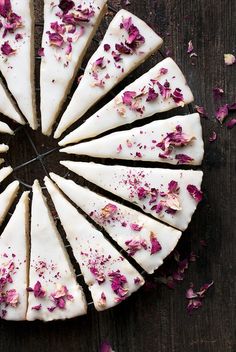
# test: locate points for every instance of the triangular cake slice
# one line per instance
(53, 290)
(4, 128)
(69, 27)
(127, 43)
(2, 161)
(177, 140)
(5, 172)
(162, 88)
(110, 277)
(4, 148)
(168, 195)
(17, 54)
(146, 240)
(7, 106)
(14, 257)
(6, 199)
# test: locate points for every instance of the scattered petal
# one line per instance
(213, 137)
(229, 59)
(221, 113)
(195, 192)
(217, 92)
(201, 110)
(230, 124)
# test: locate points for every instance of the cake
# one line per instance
(6, 199)
(17, 54)
(8, 107)
(161, 89)
(53, 290)
(110, 277)
(14, 257)
(4, 148)
(177, 140)
(4, 128)
(5, 172)
(68, 31)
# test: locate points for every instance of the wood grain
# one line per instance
(157, 320)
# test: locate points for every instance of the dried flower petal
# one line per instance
(7, 50)
(201, 110)
(109, 210)
(156, 247)
(217, 92)
(229, 59)
(152, 95)
(221, 113)
(195, 192)
(213, 137)
(230, 124)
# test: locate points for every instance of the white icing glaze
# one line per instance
(5, 172)
(115, 113)
(14, 248)
(4, 148)
(119, 224)
(95, 255)
(7, 106)
(18, 69)
(57, 75)
(141, 143)
(6, 199)
(4, 128)
(113, 72)
(50, 265)
(126, 182)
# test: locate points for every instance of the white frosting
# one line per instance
(115, 113)
(4, 148)
(18, 69)
(57, 70)
(141, 143)
(95, 255)
(14, 258)
(88, 93)
(7, 106)
(5, 172)
(4, 128)
(50, 265)
(126, 182)
(2, 161)
(119, 225)
(6, 199)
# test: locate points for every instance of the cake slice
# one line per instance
(68, 30)
(177, 140)
(4, 148)
(5, 172)
(6, 199)
(4, 128)
(7, 106)
(17, 54)
(127, 43)
(169, 195)
(53, 290)
(14, 257)
(161, 89)
(110, 277)
(146, 240)
(2, 161)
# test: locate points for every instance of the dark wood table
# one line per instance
(156, 319)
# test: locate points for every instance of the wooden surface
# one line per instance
(156, 319)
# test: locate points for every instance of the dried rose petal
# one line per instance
(190, 47)
(183, 158)
(178, 97)
(213, 137)
(109, 210)
(173, 186)
(122, 49)
(135, 227)
(195, 192)
(217, 92)
(152, 95)
(38, 307)
(118, 283)
(156, 247)
(55, 39)
(119, 148)
(221, 113)
(107, 47)
(38, 290)
(231, 123)
(7, 50)
(142, 193)
(229, 59)
(201, 110)
(66, 5)
(105, 347)
(41, 52)
(5, 8)
(128, 97)
(12, 298)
